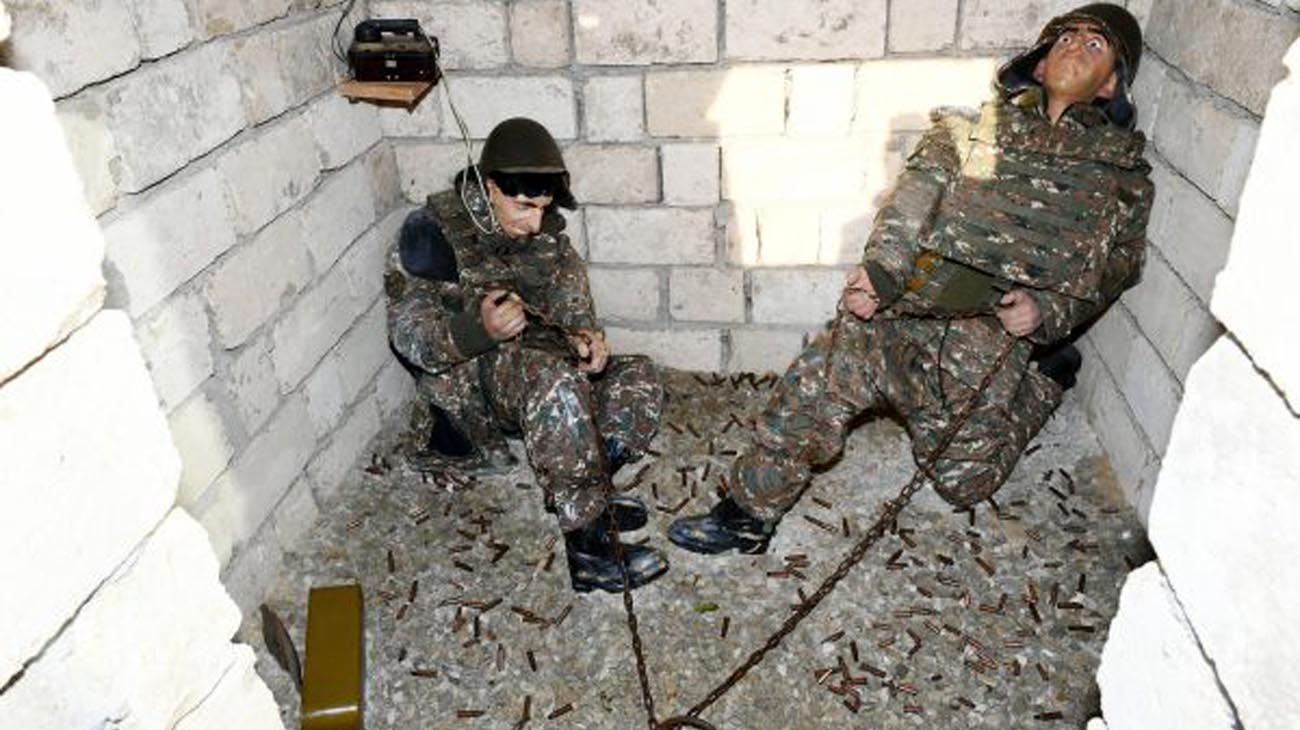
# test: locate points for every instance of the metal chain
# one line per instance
(888, 514)
(638, 650)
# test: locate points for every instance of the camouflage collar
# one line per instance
(1079, 115)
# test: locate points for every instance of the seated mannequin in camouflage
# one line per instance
(1006, 231)
(489, 306)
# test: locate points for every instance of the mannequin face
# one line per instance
(1080, 67)
(519, 216)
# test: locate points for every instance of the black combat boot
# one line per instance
(726, 527)
(1060, 363)
(593, 559)
(629, 512)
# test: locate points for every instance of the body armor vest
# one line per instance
(1028, 204)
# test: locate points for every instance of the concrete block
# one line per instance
(50, 265)
(151, 671)
(1151, 391)
(394, 391)
(234, 508)
(682, 349)
(252, 385)
(486, 101)
(306, 62)
(821, 99)
(745, 100)
(613, 108)
(818, 170)
(1152, 673)
(844, 232)
(575, 227)
(1134, 463)
(220, 17)
(241, 699)
(350, 367)
(805, 29)
(922, 25)
(761, 351)
(426, 168)
(1148, 92)
(691, 173)
(342, 129)
(1170, 314)
(328, 471)
(85, 448)
(707, 295)
(1243, 72)
(251, 284)
(253, 569)
(742, 234)
(6, 23)
(424, 120)
(320, 317)
(175, 343)
(471, 33)
(613, 173)
(1209, 143)
(161, 241)
(650, 235)
(613, 32)
(204, 441)
(787, 236)
(269, 171)
(340, 210)
(295, 515)
(539, 33)
(85, 129)
(162, 25)
(169, 113)
(1255, 291)
(262, 81)
(1223, 522)
(1003, 24)
(1192, 232)
(70, 45)
(385, 182)
(795, 296)
(898, 94)
(1114, 336)
(625, 294)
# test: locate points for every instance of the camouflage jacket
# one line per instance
(442, 265)
(1003, 200)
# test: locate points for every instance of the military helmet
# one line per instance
(523, 146)
(1121, 30)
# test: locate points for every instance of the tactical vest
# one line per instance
(1028, 204)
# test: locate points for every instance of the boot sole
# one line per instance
(755, 547)
(586, 586)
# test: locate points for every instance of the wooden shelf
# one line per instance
(386, 93)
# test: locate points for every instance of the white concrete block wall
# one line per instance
(245, 208)
(1223, 511)
(1202, 125)
(89, 535)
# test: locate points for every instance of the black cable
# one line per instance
(336, 46)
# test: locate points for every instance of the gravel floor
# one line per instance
(994, 620)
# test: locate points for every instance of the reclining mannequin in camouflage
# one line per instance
(1006, 231)
(489, 306)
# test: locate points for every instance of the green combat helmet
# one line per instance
(522, 146)
(1125, 36)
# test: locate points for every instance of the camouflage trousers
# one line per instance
(566, 417)
(897, 365)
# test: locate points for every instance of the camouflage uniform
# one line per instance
(986, 203)
(530, 385)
